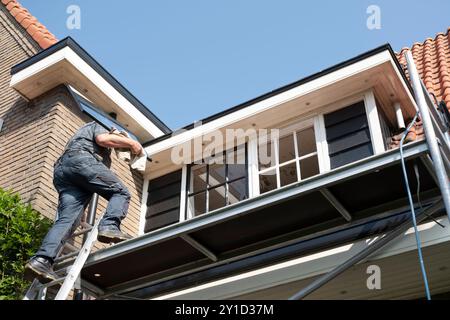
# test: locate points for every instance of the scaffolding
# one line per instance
(437, 136)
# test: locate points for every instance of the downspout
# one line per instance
(430, 135)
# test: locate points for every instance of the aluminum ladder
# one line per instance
(71, 273)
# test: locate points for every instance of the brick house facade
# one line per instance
(35, 132)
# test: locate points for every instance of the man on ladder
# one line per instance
(81, 171)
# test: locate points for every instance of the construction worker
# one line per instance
(83, 169)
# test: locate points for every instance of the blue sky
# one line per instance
(186, 60)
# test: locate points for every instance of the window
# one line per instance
(218, 182)
(294, 157)
(100, 116)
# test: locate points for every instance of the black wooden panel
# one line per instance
(162, 220)
(163, 193)
(345, 114)
(351, 155)
(165, 205)
(348, 135)
(349, 141)
(343, 128)
(164, 180)
(163, 201)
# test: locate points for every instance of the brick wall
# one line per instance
(34, 134)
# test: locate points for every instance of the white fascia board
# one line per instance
(39, 66)
(271, 102)
(84, 68)
(310, 265)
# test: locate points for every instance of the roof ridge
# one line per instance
(32, 26)
(417, 44)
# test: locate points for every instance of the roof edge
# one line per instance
(289, 86)
(72, 44)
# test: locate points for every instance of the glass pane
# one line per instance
(287, 148)
(267, 181)
(197, 178)
(236, 163)
(306, 141)
(266, 154)
(288, 174)
(217, 171)
(237, 191)
(216, 198)
(104, 119)
(197, 203)
(309, 167)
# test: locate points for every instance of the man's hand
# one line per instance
(136, 148)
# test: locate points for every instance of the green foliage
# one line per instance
(21, 232)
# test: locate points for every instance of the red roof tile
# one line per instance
(34, 28)
(432, 58)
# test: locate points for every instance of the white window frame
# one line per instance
(185, 207)
(253, 172)
(142, 219)
(183, 194)
(295, 126)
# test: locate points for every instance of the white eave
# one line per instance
(66, 66)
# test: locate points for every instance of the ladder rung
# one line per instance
(52, 283)
(82, 231)
(85, 225)
(71, 247)
(67, 256)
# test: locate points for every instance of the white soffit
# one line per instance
(67, 55)
(271, 102)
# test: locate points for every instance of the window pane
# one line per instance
(104, 119)
(306, 141)
(266, 155)
(287, 148)
(217, 171)
(216, 198)
(288, 174)
(197, 203)
(267, 181)
(198, 178)
(309, 167)
(237, 191)
(236, 163)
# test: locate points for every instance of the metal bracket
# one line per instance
(199, 247)
(336, 203)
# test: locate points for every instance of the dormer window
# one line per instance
(294, 157)
(217, 182)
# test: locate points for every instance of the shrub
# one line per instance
(22, 230)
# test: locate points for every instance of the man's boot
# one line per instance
(40, 268)
(111, 234)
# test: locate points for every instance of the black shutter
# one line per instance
(163, 201)
(348, 135)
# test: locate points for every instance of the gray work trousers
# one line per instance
(77, 175)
